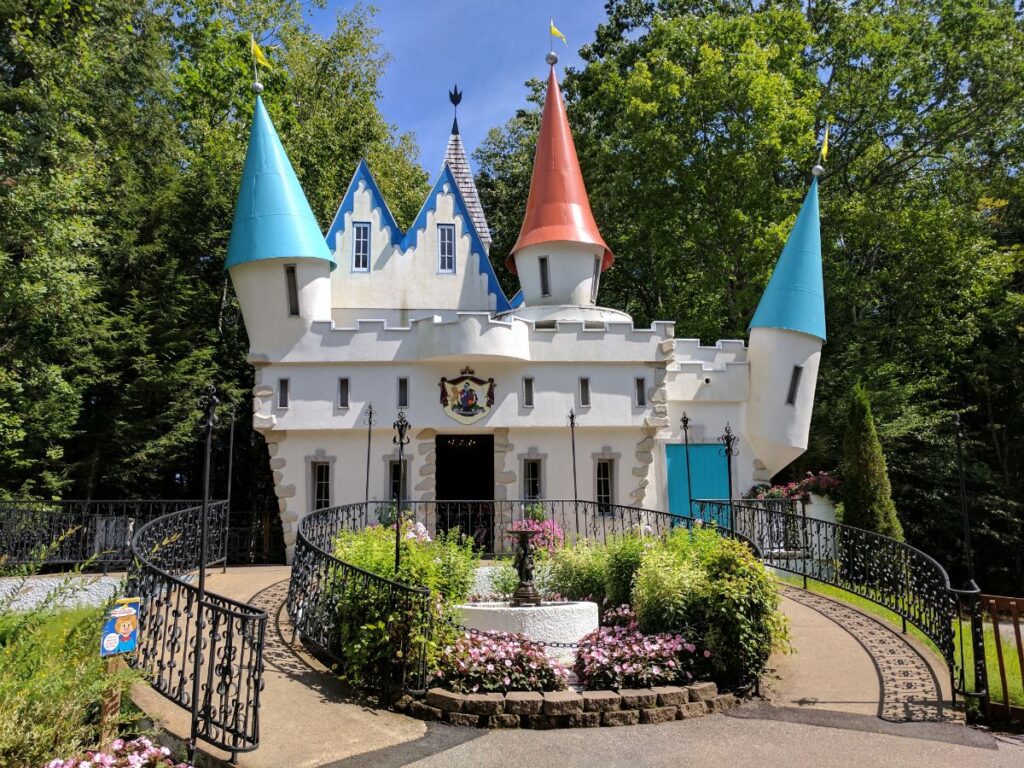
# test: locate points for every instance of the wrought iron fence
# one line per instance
(488, 521)
(881, 569)
(174, 625)
(76, 532)
(331, 603)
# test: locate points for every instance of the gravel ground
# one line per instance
(79, 591)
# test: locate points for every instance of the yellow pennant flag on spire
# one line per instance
(257, 54)
(824, 144)
(556, 33)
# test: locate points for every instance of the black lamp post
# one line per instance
(231, 471)
(401, 440)
(685, 421)
(575, 485)
(368, 420)
(959, 432)
(728, 440)
(208, 404)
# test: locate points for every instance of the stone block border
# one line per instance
(568, 709)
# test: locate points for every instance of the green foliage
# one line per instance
(52, 679)
(623, 560)
(506, 578)
(579, 572)
(706, 585)
(867, 495)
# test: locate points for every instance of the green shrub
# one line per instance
(624, 556)
(580, 572)
(703, 581)
(506, 578)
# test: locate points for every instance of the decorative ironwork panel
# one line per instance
(230, 634)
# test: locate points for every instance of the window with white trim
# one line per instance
(292, 287)
(640, 385)
(398, 481)
(528, 392)
(446, 248)
(321, 472)
(403, 392)
(584, 392)
(343, 392)
(605, 484)
(531, 479)
(282, 393)
(361, 247)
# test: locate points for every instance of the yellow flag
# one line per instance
(556, 33)
(257, 54)
(824, 144)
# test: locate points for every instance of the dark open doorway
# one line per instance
(465, 485)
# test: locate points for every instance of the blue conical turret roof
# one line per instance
(273, 219)
(795, 296)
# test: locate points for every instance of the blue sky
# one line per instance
(489, 47)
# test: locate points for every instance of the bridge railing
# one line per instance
(878, 568)
(74, 532)
(175, 626)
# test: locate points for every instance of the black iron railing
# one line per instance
(174, 625)
(77, 532)
(487, 521)
(878, 568)
(335, 606)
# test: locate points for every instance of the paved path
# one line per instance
(842, 699)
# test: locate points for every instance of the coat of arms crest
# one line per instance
(467, 398)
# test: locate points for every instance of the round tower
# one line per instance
(786, 336)
(277, 257)
(560, 254)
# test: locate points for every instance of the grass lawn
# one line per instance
(1013, 671)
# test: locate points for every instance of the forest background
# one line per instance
(123, 128)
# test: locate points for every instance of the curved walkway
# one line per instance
(825, 706)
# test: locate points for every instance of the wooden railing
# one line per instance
(1006, 614)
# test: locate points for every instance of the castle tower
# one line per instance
(786, 336)
(560, 254)
(278, 260)
(455, 157)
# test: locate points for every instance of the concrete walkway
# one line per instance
(855, 693)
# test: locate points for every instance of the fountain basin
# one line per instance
(547, 622)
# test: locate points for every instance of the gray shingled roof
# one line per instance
(455, 156)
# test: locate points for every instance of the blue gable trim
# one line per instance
(348, 202)
(406, 240)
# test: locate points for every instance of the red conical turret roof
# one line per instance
(558, 209)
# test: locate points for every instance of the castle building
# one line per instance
(416, 322)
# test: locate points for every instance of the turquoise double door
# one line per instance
(708, 473)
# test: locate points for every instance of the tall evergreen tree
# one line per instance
(867, 494)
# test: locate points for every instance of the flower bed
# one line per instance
(137, 753)
(493, 661)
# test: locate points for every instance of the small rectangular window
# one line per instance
(343, 393)
(292, 285)
(605, 484)
(321, 484)
(531, 479)
(584, 392)
(398, 481)
(282, 393)
(641, 391)
(360, 247)
(403, 392)
(528, 392)
(794, 384)
(446, 248)
(545, 278)
(596, 280)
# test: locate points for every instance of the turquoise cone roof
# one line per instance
(795, 296)
(273, 219)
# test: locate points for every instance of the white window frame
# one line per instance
(584, 392)
(529, 392)
(443, 267)
(357, 227)
(344, 387)
(532, 454)
(314, 469)
(284, 394)
(610, 464)
(403, 402)
(538, 464)
(319, 457)
(391, 461)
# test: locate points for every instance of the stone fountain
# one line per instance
(528, 614)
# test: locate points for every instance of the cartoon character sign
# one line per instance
(121, 630)
(467, 398)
